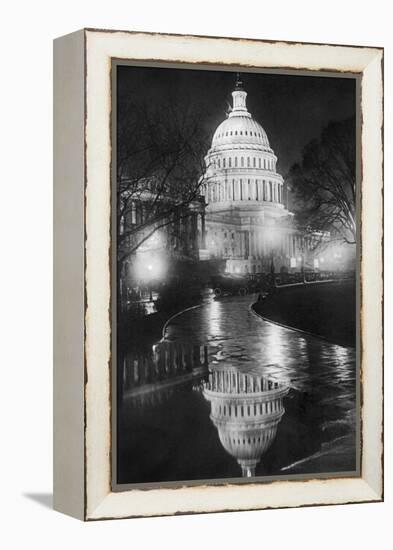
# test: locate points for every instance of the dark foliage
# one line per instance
(324, 183)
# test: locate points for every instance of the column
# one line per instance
(246, 244)
(203, 230)
(259, 245)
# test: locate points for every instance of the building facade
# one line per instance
(154, 241)
(248, 223)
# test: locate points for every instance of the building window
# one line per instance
(223, 163)
(256, 190)
(248, 161)
(218, 162)
(242, 161)
(259, 162)
(230, 162)
(241, 189)
(271, 191)
(235, 161)
(254, 160)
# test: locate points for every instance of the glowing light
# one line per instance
(149, 266)
(293, 262)
(316, 263)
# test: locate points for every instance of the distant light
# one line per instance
(149, 266)
(293, 262)
(316, 263)
(299, 258)
(322, 260)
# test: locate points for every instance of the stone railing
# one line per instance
(167, 363)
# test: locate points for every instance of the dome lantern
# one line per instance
(239, 100)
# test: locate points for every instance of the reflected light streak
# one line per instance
(275, 344)
(214, 318)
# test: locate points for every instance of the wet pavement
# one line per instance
(167, 434)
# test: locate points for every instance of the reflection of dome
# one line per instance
(246, 410)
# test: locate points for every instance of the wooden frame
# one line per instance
(82, 246)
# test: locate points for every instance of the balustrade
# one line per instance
(168, 360)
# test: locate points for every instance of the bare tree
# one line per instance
(160, 166)
(324, 182)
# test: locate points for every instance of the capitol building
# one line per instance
(248, 223)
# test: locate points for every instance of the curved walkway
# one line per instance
(237, 335)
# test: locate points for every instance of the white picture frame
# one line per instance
(82, 245)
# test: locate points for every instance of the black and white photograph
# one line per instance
(196, 295)
(236, 275)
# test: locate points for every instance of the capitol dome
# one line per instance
(240, 129)
(245, 195)
(241, 151)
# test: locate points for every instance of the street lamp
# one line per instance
(149, 263)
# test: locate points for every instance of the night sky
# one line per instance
(292, 109)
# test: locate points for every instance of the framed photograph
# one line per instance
(218, 274)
